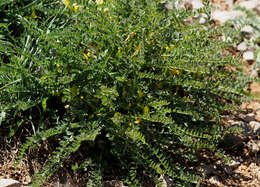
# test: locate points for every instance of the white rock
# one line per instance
(197, 4)
(168, 6)
(248, 55)
(230, 3)
(202, 21)
(249, 4)
(242, 46)
(222, 15)
(226, 39)
(247, 30)
(234, 163)
(9, 183)
(215, 180)
(249, 117)
(254, 145)
(255, 126)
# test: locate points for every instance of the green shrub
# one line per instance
(127, 79)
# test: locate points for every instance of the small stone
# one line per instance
(215, 180)
(232, 140)
(234, 164)
(202, 21)
(168, 6)
(249, 4)
(226, 39)
(242, 46)
(254, 73)
(222, 15)
(257, 115)
(248, 56)
(113, 183)
(257, 9)
(255, 126)
(247, 30)
(249, 117)
(253, 106)
(228, 169)
(207, 169)
(254, 146)
(197, 4)
(9, 183)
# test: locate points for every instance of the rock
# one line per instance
(9, 183)
(168, 6)
(226, 39)
(254, 146)
(249, 4)
(249, 117)
(242, 46)
(222, 15)
(257, 9)
(207, 169)
(196, 4)
(215, 180)
(248, 30)
(227, 169)
(257, 115)
(232, 140)
(234, 164)
(255, 126)
(254, 73)
(246, 130)
(252, 106)
(248, 56)
(113, 183)
(202, 20)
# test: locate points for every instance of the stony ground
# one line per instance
(243, 149)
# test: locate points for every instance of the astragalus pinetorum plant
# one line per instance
(134, 85)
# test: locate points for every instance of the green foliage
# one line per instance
(132, 82)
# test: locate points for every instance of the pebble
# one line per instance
(247, 30)
(234, 164)
(9, 183)
(254, 145)
(249, 117)
(248, 55)
(226, 39)
(257, 115)
(222, 15)
(113, 183)
(255, 126)
(249, 4)
(215, 180)
(242, 46)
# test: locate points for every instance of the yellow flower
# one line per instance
(140, 93)
(117, 114)
(76, 7)
(137, 120)
(87, 55)
(137, 49)
(34, 13)
(81, 97)
(99, 2)
(66, 2)
(146, 109)
(106, 10)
